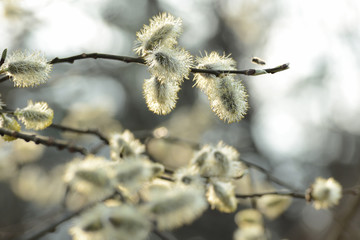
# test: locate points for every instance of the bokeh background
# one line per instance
(302, 123)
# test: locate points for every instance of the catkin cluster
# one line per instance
(169, 65)
(217, 165)
(36, 116)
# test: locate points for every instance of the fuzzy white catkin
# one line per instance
(177, 207)
(221, 196)
(35, 116)
(228, 99)
(27, 69)
(164, 29)
(169, 64)
(9, 123)
(227, 95)
(221, 161)
(325, 193)
(272, 206)
(160, 96)
(89, 177)
(212, 61)
(132, 174)
(123, 145)
(111, 222)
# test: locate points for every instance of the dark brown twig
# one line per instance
(268, 175)
(47, 141)
(290, 194)
(140, 60)
(67, 216)
(98, 56)
(82, 131)
(248, 72)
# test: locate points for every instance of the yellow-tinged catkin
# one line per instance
(169, 64)
(43, 188)
(9, 123)
(255, 232)
(221, 161)
(212, 61)
(228, 99)
(227, 95)
(248, 217)
(132, 174)
(164, 29)
(36, 115)
(189, 176)
(90, 177)
(123, 145)
(111, 222)
(325, 193)
(273, 206)
(160, 96)
(250, 223)
(27, 69)
(221, 196)
(176, 207)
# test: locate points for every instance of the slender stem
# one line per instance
(169, 139)
(140, 60)
(290, 194)
(83, 131)
(47, 141)
(64, 218)
(268, 175)
(249, 72)
(96, 56)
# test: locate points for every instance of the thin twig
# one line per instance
(83, 131)
(47, 141)
(149, 135)
(140, 60)
(98, 56)
(51, 227)
(290, 194)
(248, 72)
(268, 175)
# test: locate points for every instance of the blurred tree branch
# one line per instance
(47, 141)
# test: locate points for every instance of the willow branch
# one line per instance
(67, 216)
(248, 72)
(98, 56)
(82, 131)
(140, 60)
(268, 175)
(149, 134)
(47, 141)
(254, 195)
